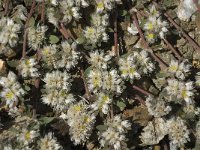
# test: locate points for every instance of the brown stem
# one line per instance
(30, 13)
(147, 93)
(140, 100)
(145, 44)
(116, 37)
(173, 49)
(24, 44)
(6, 2)
(189, 39)
(43, 11)
(64, 31)
(25, 28)
(85, 84)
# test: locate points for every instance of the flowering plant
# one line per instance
(99, 74)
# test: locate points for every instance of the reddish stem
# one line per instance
(6, 6)
(64, 31)
(140, 100)
(145, 44)
(25, 27)
(173, 49)
(43, 11)
(147, 93)
(116, 37)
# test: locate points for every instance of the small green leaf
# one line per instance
(46, 120)
(101, 127)
(13, 63)
(121, 105)
(53, 39)
(27, 88)
(81, 40)
(87, 71)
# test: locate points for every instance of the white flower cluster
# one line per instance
(175, 128)
(11, 93)
(180, 70)
(57, 90)
(178, 132)
(97, 33)
(28, 68)
(49, 142)
(114, 135)
(105, 81)
(180, 90)
(99, 60)
(69, 55)
(157, 107)
(9, 32)
(65, 57)
(154, 26)
(154, 132)
(81, 122)
(135, 65)
(26, 137)
(50, 56)
(65, 11)
(36, 36)
(102, 102)
(106, 5)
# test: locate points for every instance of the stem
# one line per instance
(24, 44)
(145, 44)
(173, 49)
(6, 6)
(147, 93)
(116, 36)
(140, 100)
(25, 28)
(30, 13)
(43, 11)
(64, 31)
(85, 84)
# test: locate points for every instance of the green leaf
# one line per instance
(87, 71)
(162, 75)
(13, 63)
(46, 120)
(27, 88)
(101, 127)
(53, 39)
(121, 105)
(81, 40)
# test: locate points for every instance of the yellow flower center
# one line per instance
(184, 93)
(28, 135)
(150, 26)
(9, 95)
(77, 108)
(173, 68)
(100, 5)
(150, 35)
